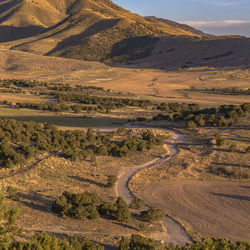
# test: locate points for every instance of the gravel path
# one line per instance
(174, 231)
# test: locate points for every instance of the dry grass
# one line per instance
(211, 208)
(152, 84)
(185, 185)
(42, 183)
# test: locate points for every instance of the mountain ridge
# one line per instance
(103, 31)
(84, 25)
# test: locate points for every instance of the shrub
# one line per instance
(222, 121)
(124, 244)
(142, 227)
(219, 140)
(247, 150)
(139, 242)
(13, 193)
(153, 214)
(8, 226)
(112, 179)
(108, 209)
(191, 125)
(49, 241)
(122, 212)
(78, 206)
(137, 204)
(232, 148)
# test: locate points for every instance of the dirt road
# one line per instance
(174, 231)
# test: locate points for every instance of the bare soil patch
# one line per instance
(214, 208)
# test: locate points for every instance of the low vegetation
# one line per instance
(90, 206)
(153, 214)
(223, 116)
(23, 140)
(223, 91)
(139, 242)
(50, 241)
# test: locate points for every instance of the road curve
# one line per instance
(174, 231)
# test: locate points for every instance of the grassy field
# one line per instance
(60, 120)
(158, 85)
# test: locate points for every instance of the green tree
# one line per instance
(137, 204)
(140, 243)
(153, 214)
(112, 179)
(122, 212)
(191, 125)
(124, 244)
(247, 150)
(232, 148)
(220, 141)
(8, 228)
(222, 121)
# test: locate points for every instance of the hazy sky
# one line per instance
(212, 16)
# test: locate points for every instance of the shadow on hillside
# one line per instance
(6, 6)
(44, 30)
(11, 33)
(125, 225)
(92, 30)
(36, 201)
(231, 196)
(71, 121)
(230, 164)
(227, 150)
(78, 178)
(173, 53)
(248, 187)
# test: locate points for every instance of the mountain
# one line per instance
(80, 29)
(177, 25)
(99, 30)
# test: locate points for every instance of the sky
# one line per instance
(219, 17)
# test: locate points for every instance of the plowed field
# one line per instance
(214, 208)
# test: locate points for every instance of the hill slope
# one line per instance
(99, 30)
(81, 29)
(177, 25)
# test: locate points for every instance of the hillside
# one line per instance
(102, 31)
(177, 25)
(184, 53)
(82, 29)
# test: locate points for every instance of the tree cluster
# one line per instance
(9, 230)
(224, 91)
(90, 206)
(62, 107)
(139, 242)
(50, 241)
(225, 115)
(153, 214)
(23, 140)
(98, 100)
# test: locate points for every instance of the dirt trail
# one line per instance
(174, 231)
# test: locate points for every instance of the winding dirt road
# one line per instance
(174, 231)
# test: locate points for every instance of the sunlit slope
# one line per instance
(81, 29)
